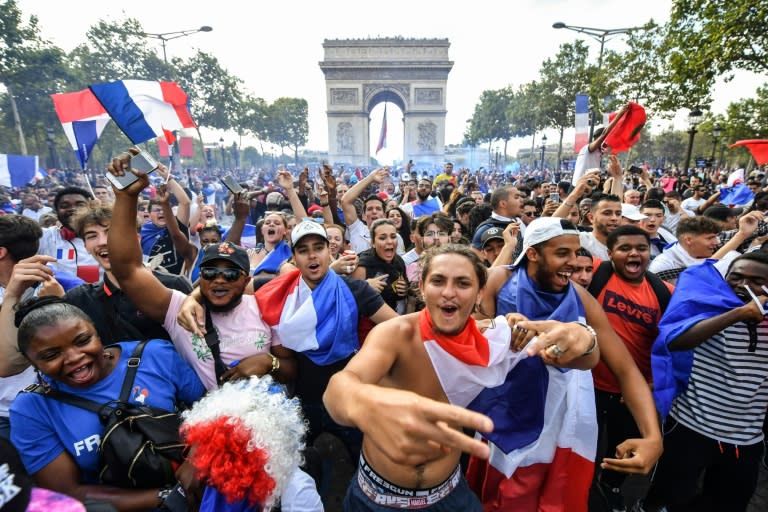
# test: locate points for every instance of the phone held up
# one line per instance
(554, 197)
(143, 162)
(231, 184)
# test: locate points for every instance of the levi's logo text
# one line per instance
(630, 311)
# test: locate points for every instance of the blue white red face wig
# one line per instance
(247, 438)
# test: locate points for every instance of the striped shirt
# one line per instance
(727, 393)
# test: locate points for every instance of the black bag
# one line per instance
(140, 443)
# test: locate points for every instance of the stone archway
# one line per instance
(361, 73)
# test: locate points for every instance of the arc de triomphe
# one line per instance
(361, 73)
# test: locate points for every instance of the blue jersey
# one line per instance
(43, 428)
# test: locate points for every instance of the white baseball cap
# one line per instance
(305, 228)
(632, 212)
(541, 230)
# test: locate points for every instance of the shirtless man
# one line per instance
(396, 389)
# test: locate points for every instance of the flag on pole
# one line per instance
(17, 170)
(83, 119)
(145, 109)
(383, 134)
(582, 122)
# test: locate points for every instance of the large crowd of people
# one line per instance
(475, 340)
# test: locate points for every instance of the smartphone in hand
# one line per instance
(143, 162)
(231, 184)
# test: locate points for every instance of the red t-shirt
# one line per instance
(633, 312)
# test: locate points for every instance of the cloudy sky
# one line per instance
(275, 47)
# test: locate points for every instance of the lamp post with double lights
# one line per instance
(543, 148)
(601, 35)
(164, 37)
(717, 130)
(694, 118)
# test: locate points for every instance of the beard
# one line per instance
(422, 196)
(229, 306)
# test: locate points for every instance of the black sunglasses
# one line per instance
(229, 274)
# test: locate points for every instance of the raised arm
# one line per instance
(285, 179)
(348, 201)
(595, 144)
(584, 186)
(705, 329)
(329, 182)
(184, 203)
(149, 295)
(181, 243)
(614, 170)
(26, 273)
(633, 455)
(242, 207)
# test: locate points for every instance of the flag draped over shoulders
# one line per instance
(276, 257)
(543, 448)
(701, 293)
(320, 323)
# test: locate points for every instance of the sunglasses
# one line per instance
(229, 274)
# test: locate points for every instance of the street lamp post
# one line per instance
(694, 118)
(716, 131)
(223, 153)
(601, 35)
(543, 148)
(167, 36)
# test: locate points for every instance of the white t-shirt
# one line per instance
(242, 333)
(585, 161)
(690, 205)
(593, 245)
(35, 215)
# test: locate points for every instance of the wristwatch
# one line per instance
(591, 331)
(163, 494)
(275, 363)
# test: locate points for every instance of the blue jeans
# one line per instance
(461, 499)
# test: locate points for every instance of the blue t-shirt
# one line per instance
(43, 428)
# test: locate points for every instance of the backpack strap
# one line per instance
(600, 278)
(212, 340)
(130, 374)
(660, 290)
(67, 398)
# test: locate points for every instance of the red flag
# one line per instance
(383, 135)
(162, 147)
(186, 148)
(758, 148)
(627, 131)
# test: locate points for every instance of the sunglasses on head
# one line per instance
(229, 274)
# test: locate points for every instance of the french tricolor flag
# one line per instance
(544, 440)
(145, 109)
(83, 119)
(321, 322)
(65, 254)
(582, 122)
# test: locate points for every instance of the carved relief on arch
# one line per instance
(345, 138)
(427, 136)
(429, 96)
(344, 96)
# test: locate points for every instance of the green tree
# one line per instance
(288, 124)
(710, 38)
(214, 94)
(562, 78)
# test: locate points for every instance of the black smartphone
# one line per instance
(143, 162)
(231, 184)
